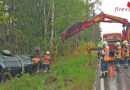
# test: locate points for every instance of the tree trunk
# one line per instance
(52, 25)
(45, 22)
(16, 41)
(68, 1)
(86, 1)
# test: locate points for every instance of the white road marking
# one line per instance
(102, 79)
(102, 83)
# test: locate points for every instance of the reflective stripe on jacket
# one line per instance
(118, 52)
(46, 59)
(106, 54)
(35, 60)
(126, 50)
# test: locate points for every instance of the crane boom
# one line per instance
(80, 26)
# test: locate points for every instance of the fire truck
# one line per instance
(112, 38)
(106, 18)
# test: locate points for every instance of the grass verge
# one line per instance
(70, 74)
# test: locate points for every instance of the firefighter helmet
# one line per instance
(99, 45)
(105, 43)
(125, 42)
(47, 52)
(117, 43)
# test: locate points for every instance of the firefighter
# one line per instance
(125, 53)
(117, 56)
(37, 57)
(89, 53)
(46, 62)
(88, 50)
(104, 63)
(99, 49)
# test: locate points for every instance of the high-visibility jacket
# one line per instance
(46, 59)
(118, 52)
(35, 60)
(88, 49)
(106, 54)
(126, 50)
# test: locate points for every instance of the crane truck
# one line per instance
(111, 38)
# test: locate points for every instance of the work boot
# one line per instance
(117, 69)
(45, 72)
(126, 67)
(102, 76)
(37, 71)
(49, 71)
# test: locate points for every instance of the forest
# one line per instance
(25, 24)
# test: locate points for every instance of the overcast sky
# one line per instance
(108, 7)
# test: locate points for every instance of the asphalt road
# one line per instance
(120, 80)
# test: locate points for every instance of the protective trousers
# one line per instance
(104, 68)
(126, 62)
(46, 68)
(117, 61)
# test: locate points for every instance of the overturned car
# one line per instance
(14, 65)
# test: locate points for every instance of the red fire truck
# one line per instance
(112, 38)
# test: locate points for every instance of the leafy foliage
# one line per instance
(30, 25)
(3, 14)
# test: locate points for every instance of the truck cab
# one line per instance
(112, 38)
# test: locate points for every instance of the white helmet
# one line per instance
(125, 42)
(105, 43)
(118, 43)
(47, 52)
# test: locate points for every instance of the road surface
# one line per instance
(120, 81)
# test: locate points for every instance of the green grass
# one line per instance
(75, 69)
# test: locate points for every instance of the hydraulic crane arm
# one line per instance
(86, 23)
(117, 19)
(77, 27)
